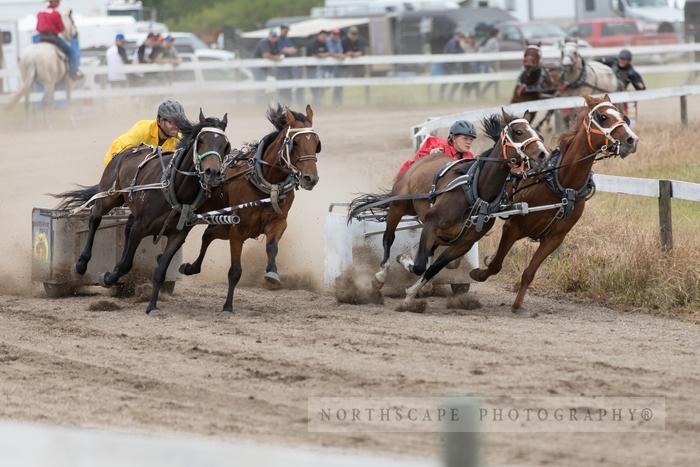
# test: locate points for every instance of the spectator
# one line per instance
(453, 46)
(335, 50)
(287, 48)
(169, 53)
(490, 45)
(149, 49)
(116, 59)
(354, 46)
(468, 44)
(267, 48)
(317, 48)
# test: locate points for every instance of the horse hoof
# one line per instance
(153, 312)
(102, 280)
(81, 267)
(228, 311)
(377, 284)
(184, 269)
(273, 278)
(475, 274)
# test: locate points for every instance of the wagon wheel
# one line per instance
(58, 290)
(458, 289)
(168, 287)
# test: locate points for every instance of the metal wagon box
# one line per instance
(58, 239)
(359, 245)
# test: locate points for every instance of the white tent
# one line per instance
(310, 27)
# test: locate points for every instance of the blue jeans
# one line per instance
(65, 48)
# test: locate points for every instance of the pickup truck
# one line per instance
(618, 32)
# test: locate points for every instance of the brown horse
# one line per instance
(600, 129)
(284, 160)
(455, 200)
(157, 188)
(536, 81)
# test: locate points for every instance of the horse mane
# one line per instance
(278, 117)
(493, 126)
(190, 130)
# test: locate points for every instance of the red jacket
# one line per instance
(49, 21)
(430, 143)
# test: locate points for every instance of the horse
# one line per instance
(600, 129)
(43, 63)
(427, 190)
(284, 160)
(156, 187)
(536, 81)
(581, 77)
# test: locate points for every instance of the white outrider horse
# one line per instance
(581, 77)
(45, 64)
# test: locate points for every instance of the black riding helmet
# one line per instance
(463, 127)
(172, 110)
(625, 54)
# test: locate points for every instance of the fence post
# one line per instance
(462, 435)
(684, 110)
(665, 218)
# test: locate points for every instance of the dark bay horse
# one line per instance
(600, 129)
(180, 180)
(284, 160)
(536, 81)
(447, 214)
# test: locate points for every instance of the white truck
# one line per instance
(651, 15)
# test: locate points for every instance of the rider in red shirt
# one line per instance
(458, 144)
(49, 25)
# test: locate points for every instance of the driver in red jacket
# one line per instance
(458, 144)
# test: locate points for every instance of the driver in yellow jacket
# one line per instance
(163, 131)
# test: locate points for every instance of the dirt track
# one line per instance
(194, 370)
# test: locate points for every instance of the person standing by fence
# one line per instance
(267, 48)
(317, 48)
(334, 44)
(116, 59)
(287, 48)
(354, 46)
(489, 44)
(453, 46)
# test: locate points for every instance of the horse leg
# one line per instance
(509, 236)
(450, 254)
(426, 248)
(547, 246)
(135, 235)
(235, 271)
(210, 234)
(392, 221)
(100, 208)
(174, 243)
(47, 100)
(273, 234)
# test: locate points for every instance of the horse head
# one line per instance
(532, 56)
(569, 53)
(70, 31)
(607, 126)
(521, 146)
(209, 149)
(301, 147)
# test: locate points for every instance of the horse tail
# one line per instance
(26, 87)
(364, 203)
(75, 198)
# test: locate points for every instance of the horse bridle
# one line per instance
(288, 145)
(595, 128)
(198, 158)
(507, 141)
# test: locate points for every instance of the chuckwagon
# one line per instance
(359, 245)
(58, 238)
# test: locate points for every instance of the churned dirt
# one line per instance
(95, 360)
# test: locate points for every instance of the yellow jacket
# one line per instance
(144, 131)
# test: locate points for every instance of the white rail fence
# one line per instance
(201, 84)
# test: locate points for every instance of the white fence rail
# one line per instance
(547, 53)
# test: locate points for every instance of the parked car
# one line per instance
(618, 32)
